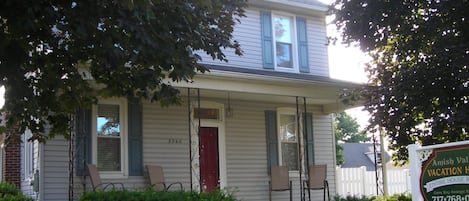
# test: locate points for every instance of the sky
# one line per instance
(2, 101)
(347, 63)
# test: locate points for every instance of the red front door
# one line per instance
(209, 172)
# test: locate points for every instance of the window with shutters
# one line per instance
(283, 34)
(109, 127)
(284, 139)
(284, 42)
(288, 138)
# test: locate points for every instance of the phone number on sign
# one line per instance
(450, 198)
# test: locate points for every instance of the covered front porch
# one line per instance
(235, 106)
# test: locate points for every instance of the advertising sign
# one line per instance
(445, 174)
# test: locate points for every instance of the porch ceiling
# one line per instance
(217, 84)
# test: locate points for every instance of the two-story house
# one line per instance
(271, 106)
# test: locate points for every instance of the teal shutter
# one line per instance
(267, 40)
(309, 139)
(272, 139)
(302, 45)
(83, 141)
(135, 139)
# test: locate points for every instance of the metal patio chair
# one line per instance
(279, 180)
(317, 181)
(156, 177)
(96, 182)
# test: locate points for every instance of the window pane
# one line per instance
(284, 55)
(288, 128)
(290, 155)
(109, 154)
(283, 40)
(283, 29)
(108, 122)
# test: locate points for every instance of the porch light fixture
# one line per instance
(229, 109)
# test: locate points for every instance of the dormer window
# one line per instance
(284, 42)
(371, 156)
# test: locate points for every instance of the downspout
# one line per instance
(190, 136)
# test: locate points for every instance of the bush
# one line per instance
(8, 191)
(354, 198)
(397, 197)
(151, 195)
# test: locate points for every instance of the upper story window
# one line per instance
(284, 42)
(283, 31)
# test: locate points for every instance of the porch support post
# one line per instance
(71, 160)
(306, 148)
(305, 122)
(198, 135)
(190, 136)
(299, 148)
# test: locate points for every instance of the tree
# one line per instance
(346, 130)
(130, 48)
(418, 79)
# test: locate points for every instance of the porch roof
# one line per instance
(263, 85)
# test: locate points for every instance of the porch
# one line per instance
(170, 138)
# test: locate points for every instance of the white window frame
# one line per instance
(123, 111)
(28, 155)
(287, 111)
(294, 39)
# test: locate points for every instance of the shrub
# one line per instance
(354, 198)
(397, 197)
(151, 195)
(8, 191)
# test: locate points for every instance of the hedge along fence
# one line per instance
(151, 195)
(396, 197)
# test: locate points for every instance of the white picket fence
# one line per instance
(358, 182)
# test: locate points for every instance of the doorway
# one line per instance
(209, 160)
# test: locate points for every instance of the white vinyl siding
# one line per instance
(248, 34)
(165, 142)
(55, 170)
(317, 46)
(246, 151)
